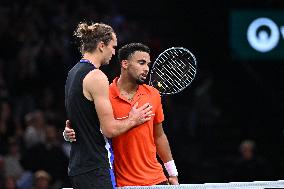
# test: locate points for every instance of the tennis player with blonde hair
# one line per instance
(90, 111)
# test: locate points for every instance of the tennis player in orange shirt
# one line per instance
(135, 161)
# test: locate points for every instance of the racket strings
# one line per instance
(162, 80)
(184, 59)
(166, 82)
(172, 81)
(173, 70)
(176, 74)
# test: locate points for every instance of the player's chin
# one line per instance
(140, 81)
(106, 63)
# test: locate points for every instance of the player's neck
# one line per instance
(124, 84)
(92, 58)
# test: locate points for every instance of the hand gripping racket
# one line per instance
(173, 70)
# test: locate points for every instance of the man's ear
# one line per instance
(101, 46)
(124, 64)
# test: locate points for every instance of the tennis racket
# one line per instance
(173, 70)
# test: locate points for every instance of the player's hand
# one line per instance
(173, 180)
(141, 114)
(69, 133)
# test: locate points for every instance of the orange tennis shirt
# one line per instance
(135, 161)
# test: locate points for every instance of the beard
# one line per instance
(140, 80)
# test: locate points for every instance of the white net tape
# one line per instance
(230, 185)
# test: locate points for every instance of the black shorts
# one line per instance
(95, 179)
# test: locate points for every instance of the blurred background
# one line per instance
(227, 126)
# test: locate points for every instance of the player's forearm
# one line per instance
(163, 148)
(164, 152)
(112, 127)
(117, 127)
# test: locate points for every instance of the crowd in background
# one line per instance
(37, 50)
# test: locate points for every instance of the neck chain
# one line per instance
(127, 95)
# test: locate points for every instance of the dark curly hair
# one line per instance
(126, 51)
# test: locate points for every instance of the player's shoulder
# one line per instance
(97, 75)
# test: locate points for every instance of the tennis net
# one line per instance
(230, 185)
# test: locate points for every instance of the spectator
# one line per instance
(12, 160)
(13, 167)
(7, 126)
(48, 156)
(2, 172)
(250, 166)
(35, 131)
(10, 183)
(41, 180)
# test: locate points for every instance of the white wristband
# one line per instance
(171, 168)
(65, 137)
